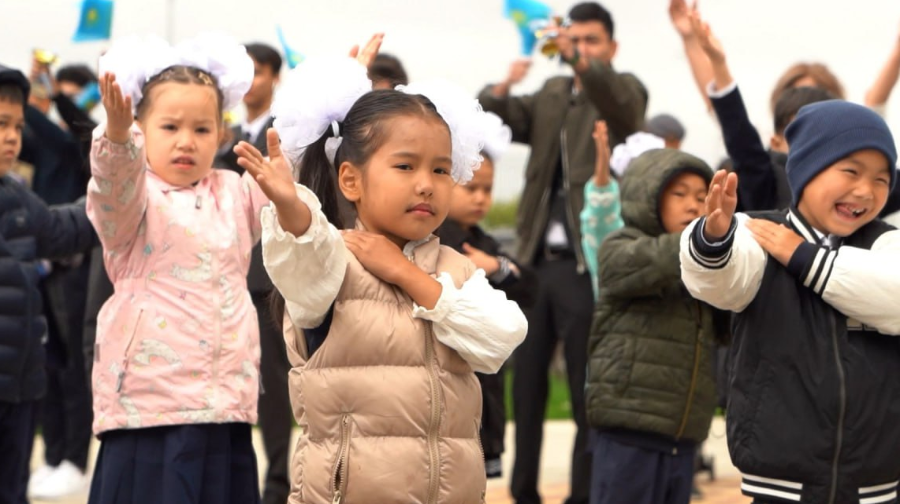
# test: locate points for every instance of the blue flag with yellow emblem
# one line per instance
(292, 57)
(526, 14)
(95, 22)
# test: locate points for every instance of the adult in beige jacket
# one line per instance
(389, 404)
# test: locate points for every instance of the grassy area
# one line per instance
(558, 406)
(501, 215)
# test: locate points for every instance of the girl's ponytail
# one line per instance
(318, 174)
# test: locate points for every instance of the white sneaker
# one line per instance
(67, 480)
(39, 476)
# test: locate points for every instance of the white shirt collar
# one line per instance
(255, 128)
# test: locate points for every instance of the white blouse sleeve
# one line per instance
(477, 321)
(307, 270)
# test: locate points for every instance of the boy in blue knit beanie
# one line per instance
(814, 402)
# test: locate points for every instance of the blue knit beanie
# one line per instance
(823, 133)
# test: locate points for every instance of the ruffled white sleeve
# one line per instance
(477, 321)
(307, 270)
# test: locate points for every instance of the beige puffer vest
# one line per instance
(389, 414)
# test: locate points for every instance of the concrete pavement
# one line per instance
(558, 439)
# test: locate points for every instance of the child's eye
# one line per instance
(169, 127)
(403, 166)
(680, 194)
(882, 180)
(203, 130)
(851, 171)
(442, 171)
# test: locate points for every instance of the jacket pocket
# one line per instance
(126, 353)
(341, 470)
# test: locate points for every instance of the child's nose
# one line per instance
(425, 184)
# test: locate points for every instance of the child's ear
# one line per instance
(350, 181)
(778, 144)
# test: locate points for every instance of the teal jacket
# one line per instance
(601, 215)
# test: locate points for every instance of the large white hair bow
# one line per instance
(317, 93)
(498, 136)
(469, 124)
(635, 145)
(135, 60)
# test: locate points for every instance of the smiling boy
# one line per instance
(814, 404)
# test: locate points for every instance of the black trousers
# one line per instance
(626, 473)
(16, 441)
(275, 413)
(562, 312)
(66, 410)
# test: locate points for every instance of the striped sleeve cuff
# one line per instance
(711, 255)
(812, 264)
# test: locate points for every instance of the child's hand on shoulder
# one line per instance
(274, 175)
(779, 241)
(482, 260)
(720, 205)
(119, 116)
(379, 255)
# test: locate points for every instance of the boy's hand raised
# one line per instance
(368, 53)
(708, 41)
(680, 14)
(601, 141)
(720, 205)
(119, 116)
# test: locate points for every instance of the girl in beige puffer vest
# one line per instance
(395, 324)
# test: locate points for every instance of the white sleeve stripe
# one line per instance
(815, 269)
(711, 263)
(829, 266)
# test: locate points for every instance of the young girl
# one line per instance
(176, 365)
(383, 381)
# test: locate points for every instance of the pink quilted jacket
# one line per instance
(178, 342)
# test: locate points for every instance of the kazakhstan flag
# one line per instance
(95, 22)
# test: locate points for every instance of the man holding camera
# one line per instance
(557, 122)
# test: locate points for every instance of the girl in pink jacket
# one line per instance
(175, 377)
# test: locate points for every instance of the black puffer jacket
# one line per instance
(29, 231)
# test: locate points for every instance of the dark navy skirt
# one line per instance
(182, 464)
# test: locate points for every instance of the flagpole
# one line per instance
(170, 21)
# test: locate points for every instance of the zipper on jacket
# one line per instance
(125, 360)
(434, 424)
(842, 409)
(538, 244)
(579, 254)
(339, 475)
(217, 314)
(696, 370)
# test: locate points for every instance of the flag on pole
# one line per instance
(95, 22)
(528, 15)
(292, 57)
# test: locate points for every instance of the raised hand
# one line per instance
(119, 116)
(518, 70)
(680, 14)
(601, 141)
(482, 260)
(708, 41)
(368, 53)
(720, 205)
(274, 175)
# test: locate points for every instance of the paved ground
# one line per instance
(558, 439)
